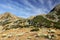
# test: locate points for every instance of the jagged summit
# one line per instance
(56, 8)
(8, 15)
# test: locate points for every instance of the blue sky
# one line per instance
(27, 8)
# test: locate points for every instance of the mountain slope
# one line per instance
(8, 20)
(7, 15)
(52, 19)
(54, 14)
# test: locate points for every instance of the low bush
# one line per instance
(36, 29)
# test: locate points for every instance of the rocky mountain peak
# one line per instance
(8, 15)
(56, 8)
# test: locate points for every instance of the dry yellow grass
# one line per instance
(25, 34)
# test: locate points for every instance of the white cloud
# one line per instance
(50, 4)
(5, 6)
(28, 3)
(25, 10)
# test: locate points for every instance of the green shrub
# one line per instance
(50, 17)
(57, 25)
(36, 29)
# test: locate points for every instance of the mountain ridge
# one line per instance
(52, 18)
